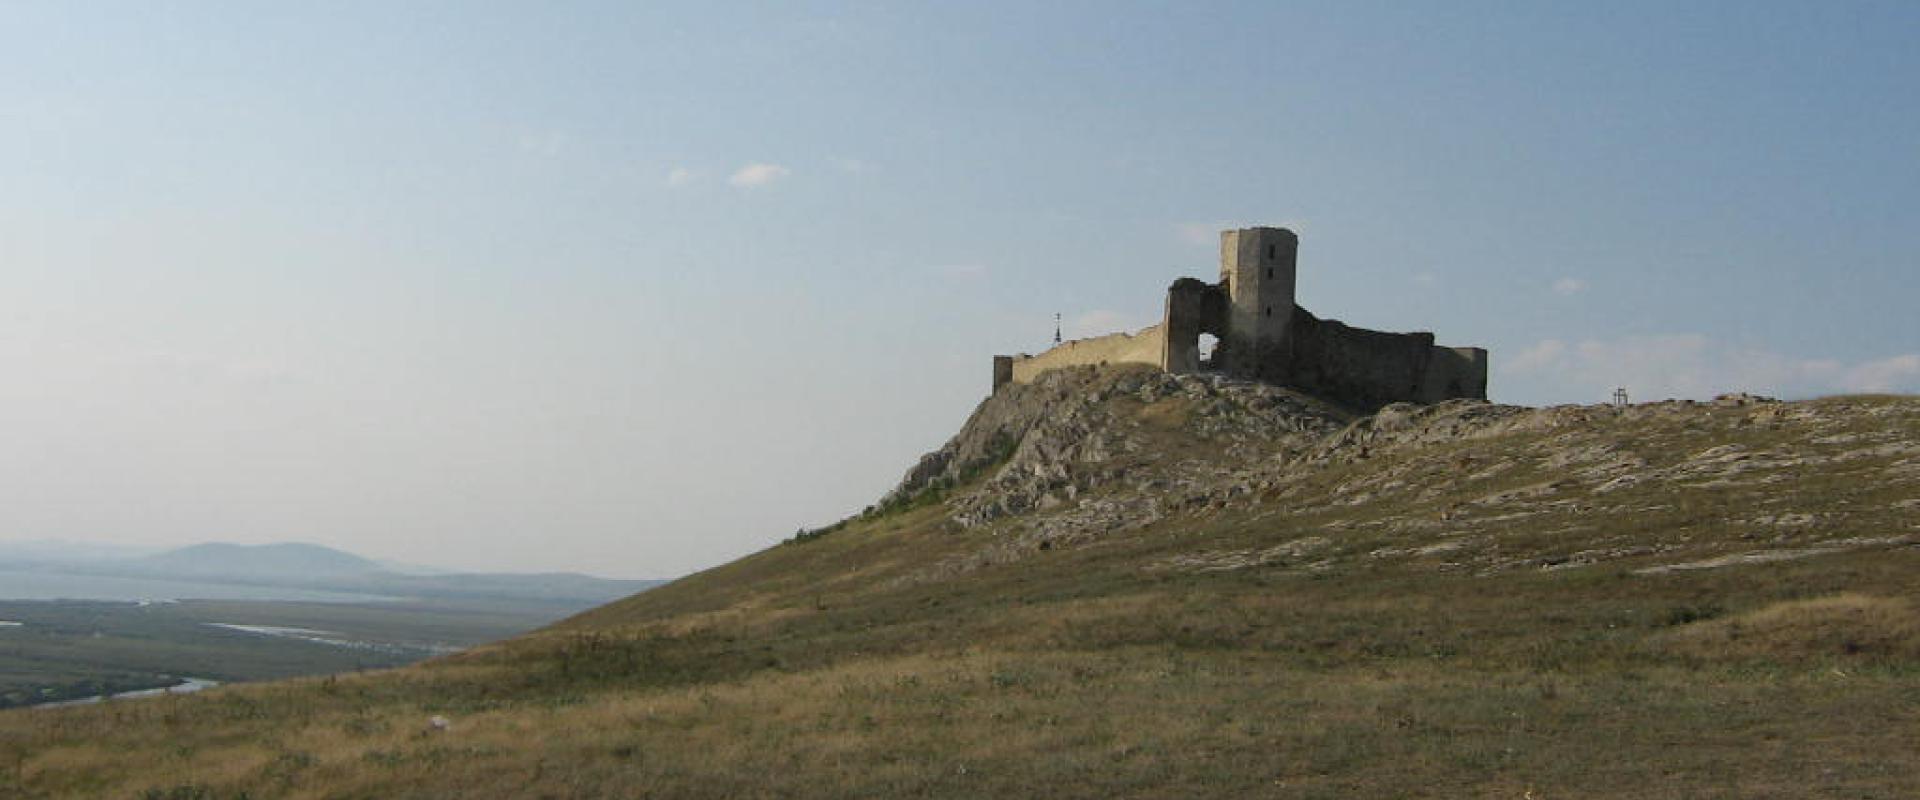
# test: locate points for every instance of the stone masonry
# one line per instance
(1264, 335)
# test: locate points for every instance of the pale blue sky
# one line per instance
(632, 289)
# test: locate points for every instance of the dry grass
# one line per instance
(1877, 630)
(1129, 722)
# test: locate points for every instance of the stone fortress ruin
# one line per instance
(1263, 335)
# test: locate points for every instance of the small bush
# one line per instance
(1682, 615)
(805, 535)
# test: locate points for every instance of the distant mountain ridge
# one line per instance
(288, 558)
(311, 566)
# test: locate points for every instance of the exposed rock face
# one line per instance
(1048, 441)
(1085, 452)
(999, 427)
(1046, 446)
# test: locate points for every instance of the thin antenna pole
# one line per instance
(1056, 327)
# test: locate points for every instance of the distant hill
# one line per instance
(311, 566)
(291, 559)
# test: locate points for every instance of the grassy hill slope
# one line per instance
(1165, 587)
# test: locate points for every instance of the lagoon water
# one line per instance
(17, 585)
(185, 686)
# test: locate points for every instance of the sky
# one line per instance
(634, 289)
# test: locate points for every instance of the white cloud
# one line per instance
(1202, 232)
(1425, 279)
(679, 176)
(1568, 287)
(1693, 366)
(852, 165)
(1544, 354)
(755, 175)
(1896, 374)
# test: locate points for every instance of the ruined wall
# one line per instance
(1002, 371)
(1144, 347)
(1454, 372)
(1368, 369)
(1193, 308)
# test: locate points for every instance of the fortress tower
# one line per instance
(1257, 274)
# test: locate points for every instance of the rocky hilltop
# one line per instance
(1085, 452)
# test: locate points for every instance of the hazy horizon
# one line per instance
(61, 553)
(633, 291)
